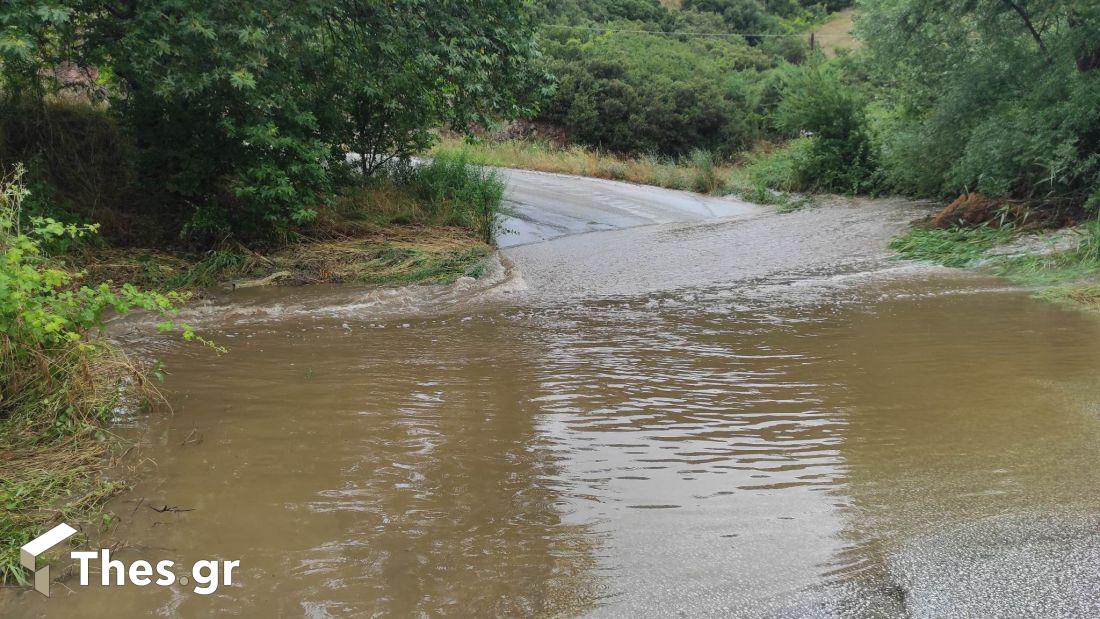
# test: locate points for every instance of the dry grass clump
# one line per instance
(392, 256)
(53, 411)
(700, 172)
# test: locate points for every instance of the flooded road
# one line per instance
(735, 413)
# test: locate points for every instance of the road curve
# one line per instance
(541, 206)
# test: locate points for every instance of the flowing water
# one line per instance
(695, 420)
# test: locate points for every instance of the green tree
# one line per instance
(398, 69)
(242, 110)
(220, 98)
(35, 36)
(1001, 96)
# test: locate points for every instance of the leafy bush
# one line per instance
(987, 96)
(46, 315)
(58, 381)
(838, 155)
(41, 308)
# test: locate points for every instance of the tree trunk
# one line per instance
(1089, 61)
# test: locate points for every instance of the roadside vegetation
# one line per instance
(60, 382)
(1062, 266)
(700, 171)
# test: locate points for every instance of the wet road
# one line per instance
(544, 206)
(675, 406)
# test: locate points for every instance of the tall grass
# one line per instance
(705, 177)
(1073, 267)
(953, 247)
(701, 172)
(446, 190)
(455, 192)
(1069, 275)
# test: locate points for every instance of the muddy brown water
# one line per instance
(913, 443)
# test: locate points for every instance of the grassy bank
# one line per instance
(54, 454)
(384, 256)
(762, 176)
(1065, 268)
(60, 381)
(428, 224)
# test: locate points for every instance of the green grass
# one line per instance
(70, 489)
(394, 266)
(54, 447)
(953, 247)
(1065, 276)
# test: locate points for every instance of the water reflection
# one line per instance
(392, 471)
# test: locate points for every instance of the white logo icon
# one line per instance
(30, 551)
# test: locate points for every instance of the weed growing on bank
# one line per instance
(453, 192)
(953, 247)
(1067, 275)
(1062, 276)
(60, 382)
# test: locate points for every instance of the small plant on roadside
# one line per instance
(705, 178)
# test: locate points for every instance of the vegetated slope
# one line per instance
(639, 76)
(838, 34)
(221, 132)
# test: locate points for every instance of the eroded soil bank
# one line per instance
(730, 413)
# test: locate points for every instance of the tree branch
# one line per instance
(1030, 27)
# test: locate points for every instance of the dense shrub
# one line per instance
(997, 97)
(629, 92)
(836, 154)
(79, 158)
